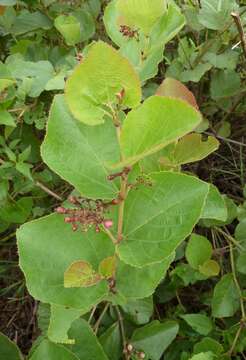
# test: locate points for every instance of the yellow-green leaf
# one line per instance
(107, 267)
(80, 274)
(210, 268)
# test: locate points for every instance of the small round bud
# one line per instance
(72, 199)
(97, 229)
(108, 224)
(141, 355)
(61, 210)
(129, 348)
(75, 227)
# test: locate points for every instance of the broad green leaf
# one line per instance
(78, 153)
(231, 210)
(215, 14)
(141, 17)
(167, 27)
(225, 83)
(188, 275)
(174, 88)
(210, 268)
(225, 301)
(30, 21)
(199, 322)
(6, 118)
(111, 342)
(87, 24)
(107, 267)
(80, 274)
(208, 355)
(215, 207)
(159, 217)
(8, 349)
(195, 74)
(241, 262)
(47, 247)
(226, 60)
(95, 83)
(208, 344)
(87, 346)
(50, 351)
(69, 27)
(193, 148)
(61, 319)
(154, 338)
(155, 124)
(240, 231)
(17, 212)
(139, 311)
(143, 280)
(198, 250)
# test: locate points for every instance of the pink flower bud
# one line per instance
(61, 210)
(108, 224)
(68, 219)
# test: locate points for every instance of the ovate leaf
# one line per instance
(78, 153)
(199, 322)
(111, 342)
(153, 125)
(208, 355)
(107, 267)
(139, 311)
(6, 118)
(215, 207)
(154, 338)
(69, 27)
(174, 88)
(158, 217)
(8, 349)
(61, 319)
(141, 17)
(97, 80)
(208, 344)
(80, 274)
(48, 350)
(198, 250)
(47, 247)
(210, 268)
(86, 344)
(225, 300)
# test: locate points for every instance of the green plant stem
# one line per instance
(230, 352)
(122, 196)
(122, 331)
(108, 232)
(97, 324)
(48, 191)
(239, 25)
(92, 313)
(233, 268)
(229, 237)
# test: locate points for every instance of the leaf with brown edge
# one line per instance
(174, 88)
(107, 267)
(80, 274)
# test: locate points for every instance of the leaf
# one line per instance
(174, 88)
(225, 301)
(141, 17)
(80, 274)
(155, 124)
(195, 74)
(8, 349)
(215, 14)
(192, 148)
(167, 27)
(210, 268)
(30, 21)
(69, 27)
(8, 2)
(159, 217)
(199, 322)
(24, 169)
(139, 311)
(86, 344)
(226, 60)
(17, 212)
(225, 83)
(208, 355)
(107, 267)
(241, 262)
(6, 118)
(47, 247)
(154, 338)
(87, 24)
(143, 280)
(78, 153)
(215, 207)
(208, 344)
(48, 350)
(61, 320)
(96, 82)
(198, 250)
(111, 342)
